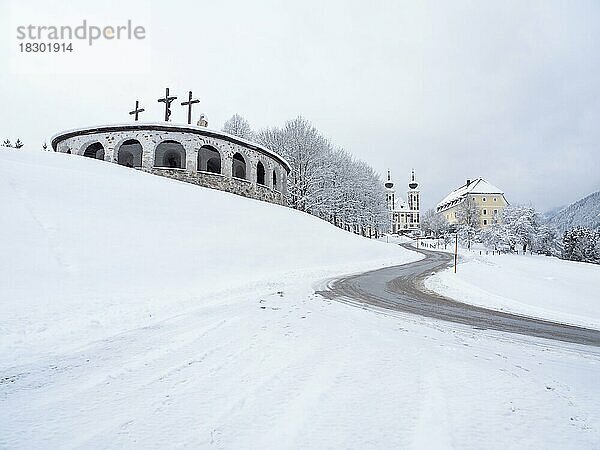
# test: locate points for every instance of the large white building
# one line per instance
(487, 199)
(405, 216)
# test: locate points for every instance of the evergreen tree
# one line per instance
(581, 244)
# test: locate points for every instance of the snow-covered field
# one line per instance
(141, 312)
(531, 285)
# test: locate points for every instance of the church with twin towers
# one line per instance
(404, 216)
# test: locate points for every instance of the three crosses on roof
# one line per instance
(167, 100)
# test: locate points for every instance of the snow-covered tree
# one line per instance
(467, 216)
(427, 222)
(326, 181)
(238, 126)
(7, 143)
(519, 228)
(582, 244)
(495, 236)
(434, 224)
(546, 242)
(18, 143)
(521, 224)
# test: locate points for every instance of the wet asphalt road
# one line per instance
(400, 288)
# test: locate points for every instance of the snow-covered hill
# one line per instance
(139, 312)
(96, 247)
(585, 212)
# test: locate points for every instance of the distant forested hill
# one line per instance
(585, 212)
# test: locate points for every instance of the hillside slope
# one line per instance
(97, 247)
(584, 212)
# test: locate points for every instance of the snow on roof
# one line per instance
(477, 186)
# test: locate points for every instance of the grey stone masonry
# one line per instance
(176, 151)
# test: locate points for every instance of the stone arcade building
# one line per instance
(187, 153)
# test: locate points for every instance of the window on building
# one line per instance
(260, 173)
(485, 212)
(239, 166)
(484, 199)
(129, 153)
(169, 154)
(495, 199)
(495, 212)
(209, 160)
(484, 221)
(95, 150)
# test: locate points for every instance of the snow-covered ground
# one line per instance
(141, 312)
(90, 249)
(531, 285)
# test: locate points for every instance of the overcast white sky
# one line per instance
(509, 90)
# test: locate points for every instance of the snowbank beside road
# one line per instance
(89, 248)
(537, 286)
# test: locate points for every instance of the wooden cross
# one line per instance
(167, 101)
(137, 110)
(189, 104)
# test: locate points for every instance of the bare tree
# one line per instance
(238, 126)
(326, 181)
(468, 221)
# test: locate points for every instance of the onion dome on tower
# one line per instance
(388, 183)
(413, 184)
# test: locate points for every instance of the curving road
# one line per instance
(400, 288)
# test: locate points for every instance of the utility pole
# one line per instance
(455, 250)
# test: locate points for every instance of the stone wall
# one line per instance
(76, 143)
(215, 181)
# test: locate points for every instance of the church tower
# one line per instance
(413, 194)
(390, 193)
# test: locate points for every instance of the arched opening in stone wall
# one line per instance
(69, 151)
(239, 166)
(275, 180)
(170, 154)
(260, 173)
(130, 153)
(95, 150)
(209, 160)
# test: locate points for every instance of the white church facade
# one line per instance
(405, 217)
